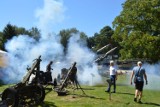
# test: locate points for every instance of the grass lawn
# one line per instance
(97, 97)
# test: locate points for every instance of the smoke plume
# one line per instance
(22, 49)
(153, 74)
(51, 14)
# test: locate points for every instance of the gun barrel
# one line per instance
(63, 84)
(99, 50)
(31, 71)
(106, 54)
(110, 51)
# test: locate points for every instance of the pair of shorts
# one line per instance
(139, 85)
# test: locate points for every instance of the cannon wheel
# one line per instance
(31, 95)
(39, 94)
(9, 95)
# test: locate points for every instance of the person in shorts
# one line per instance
(140, 73)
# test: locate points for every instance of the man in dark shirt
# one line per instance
(73, 76)
(48, 72)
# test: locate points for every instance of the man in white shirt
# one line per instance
(113, 77)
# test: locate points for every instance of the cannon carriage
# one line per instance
(69, 78)
(26, 93)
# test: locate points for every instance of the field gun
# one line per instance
(71, 76)
(25, 93)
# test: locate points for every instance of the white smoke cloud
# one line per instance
(22, 49)
(153, 75)
(51, 13)
(88, 71)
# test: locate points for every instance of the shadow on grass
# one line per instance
(47, 104)
(124, 93)
(87, 88)
(48, 90)
(87, 96)
(150, 103)
(122, 84)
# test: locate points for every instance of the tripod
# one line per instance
(78, 85)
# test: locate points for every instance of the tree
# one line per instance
(137, 24)
(21, 31)
(8, 32)
(67, 33)
(1, 40)
(90, 42)
(35, 33)
(12, 30)
(103, 38)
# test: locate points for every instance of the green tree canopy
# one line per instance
(8, 32)
(35, 33)
(1, 40)
(103, 38)
(12, 30)
(137, 29)
(67, 33)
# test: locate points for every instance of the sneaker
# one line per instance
(135, 99)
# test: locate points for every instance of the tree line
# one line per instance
(135, 32)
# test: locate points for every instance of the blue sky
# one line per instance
(88, 16)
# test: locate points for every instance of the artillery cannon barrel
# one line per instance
(99, 50)
(102, 57)
(110, 51)
(63, 84)
(31, 71)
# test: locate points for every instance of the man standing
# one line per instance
(73, 75)
(113, 77)
(140, 74)
(49, 68)
(48, 73)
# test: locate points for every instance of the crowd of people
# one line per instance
(138, 73)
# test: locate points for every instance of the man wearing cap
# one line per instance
(113, 77)
(140, 74)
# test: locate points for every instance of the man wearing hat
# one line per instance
(139, 74)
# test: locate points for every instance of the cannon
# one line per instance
(70, 77)
(99, 50)
(25, 93)
(45, 78)
(105, 55)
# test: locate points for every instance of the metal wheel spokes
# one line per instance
(33, 96)
(10, 97)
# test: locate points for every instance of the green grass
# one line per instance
(96, 97)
